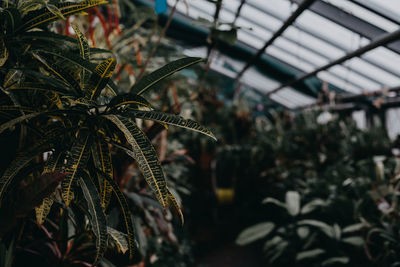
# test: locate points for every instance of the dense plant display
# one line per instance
(69, 122)
(331, 196)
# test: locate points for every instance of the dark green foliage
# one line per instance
(62, 101)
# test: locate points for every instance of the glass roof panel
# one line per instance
(365, 14)
(383, 77)
(386, 58)
(340, 83)
(349, 75)
(313, 40)
(388, 5)
(329, 30)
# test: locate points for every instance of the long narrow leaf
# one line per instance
(84, 52)
(98, 219)
(100, 76)
(172, 120)
(125, 212)
(102, 159)
(79, 157)
(15, 167)
(38, 17)
(145, 155)
(151, 79)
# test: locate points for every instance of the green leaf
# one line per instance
(354, 240)
(174, 120)
(255, 232)
(342, 260)
(44, 15)
(17, 120)
(99, 78)
(353, 228)
(292, 199)
(102, 159)
(84, 52)
(77, 60)
(59, 72)
(52, 165)
(274, 201)
(151, 79)
(3, 52)
(128, 100)
(120, 239)
(8, 178)
(44, 209)
(77, 161)
(125, 212)
(309, 254)
(145, 155)
(177, 207)
(98, 219)
(325, 228)
(312, 205)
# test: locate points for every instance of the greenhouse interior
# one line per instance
(200, 133)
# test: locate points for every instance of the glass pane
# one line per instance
(329, 30)
(349, 75)
(383, 77)
(386, 58)
(364, 14)
(342, 84)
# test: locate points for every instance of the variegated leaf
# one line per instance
(102, 159)
(77, 161)
(172, 201)
(120, 239)
(44, 15)
(98, 219)
(84, 50)
(145, 155)
(153, 78)
(44, 209)
(100, 77)
(3, 52)
(126, 213)
(171, 119)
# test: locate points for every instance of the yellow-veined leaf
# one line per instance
(102, 159)
(17, 120)
(98, 219)
(44, 15)
(59, 72)
(172, 201)
(13, 77)
(99, 78)
(77, 161)
(145, 155)
(171, 119)
(8, 177)
(120, 239)
(151, 79)
(44, 209)
(55, 11)
(84, 50)
(53, 164)
(3, 52)
(126, 213)
(128, 100)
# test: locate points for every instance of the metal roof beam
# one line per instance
(269, 29)
(303, 6)
(384, 40)
(317, 35)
